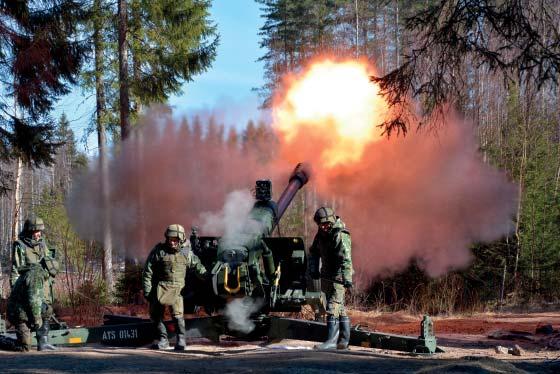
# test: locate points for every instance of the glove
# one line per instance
(348, 284)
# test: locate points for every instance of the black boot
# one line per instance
(162, 342)
(43, 338)
(181, 331)
(332, 326)
(344, 333)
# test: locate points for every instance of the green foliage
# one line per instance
(540, 218)
(79, 285)
(261, 141)
(92, 292)
(129, 285)
(27, 139)
(39, 56)
(169, 41)
(77, 254)
(412, 290)
(293, 32)
(526, 146)
(169, 45)
(88, 294)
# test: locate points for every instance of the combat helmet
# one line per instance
(33, 224)
(324, 215)
(176, 231)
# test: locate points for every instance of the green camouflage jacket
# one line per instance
(335, 252)
(24, 254)
(164, 267)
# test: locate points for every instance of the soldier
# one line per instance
(163, 280)
(34, 267)
(332, 246)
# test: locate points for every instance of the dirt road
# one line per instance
(292, 357)
(468, 349)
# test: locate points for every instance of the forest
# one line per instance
(496, 63)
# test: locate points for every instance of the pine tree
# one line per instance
(38, 60)
(65, 156)
(162, 44)
(280, 35)
(510, 37)
(171, 42)
(295, 31)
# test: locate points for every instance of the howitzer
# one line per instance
(250, 263)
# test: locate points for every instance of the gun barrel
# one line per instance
(298, 179)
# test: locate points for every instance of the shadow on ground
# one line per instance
(107, 360)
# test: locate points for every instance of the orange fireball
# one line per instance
(335, 99)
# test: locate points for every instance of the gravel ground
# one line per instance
(292, 357)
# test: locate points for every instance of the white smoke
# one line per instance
(231, 218)
(238, 313)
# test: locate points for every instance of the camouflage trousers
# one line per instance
(25, 325)
(334, 294)
(28, 305)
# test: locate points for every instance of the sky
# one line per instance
(225, 90)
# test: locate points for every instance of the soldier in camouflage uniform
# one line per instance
(34, 267)
(332, 247)
(163, 280)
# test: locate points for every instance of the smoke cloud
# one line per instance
(239, 311)
(231, 218)
(425, 197)
(164, 173)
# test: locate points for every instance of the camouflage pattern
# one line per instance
(25, 253)
(164, 275)
(334, 294)
(333, 250)
(29, 306)
(34, 267)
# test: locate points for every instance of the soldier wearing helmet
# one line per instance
(163, 280)
(332, 247)
(34, 267)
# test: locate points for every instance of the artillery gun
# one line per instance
(249, 264)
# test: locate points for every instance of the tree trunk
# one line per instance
(107, 264)
(357, 27)
(557, 179)
(142, 241)
(504, 274)
(17, 200)
(123, 71)
(124, 92)
(397, 36)
(522, 166)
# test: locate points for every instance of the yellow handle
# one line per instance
(226, 287)
(277, 272)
